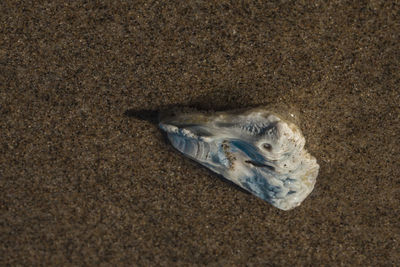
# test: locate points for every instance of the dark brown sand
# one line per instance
(82, 183)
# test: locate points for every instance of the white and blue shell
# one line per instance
(256, 149)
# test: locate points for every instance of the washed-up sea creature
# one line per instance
(257, 149)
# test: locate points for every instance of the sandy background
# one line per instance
(84, 181)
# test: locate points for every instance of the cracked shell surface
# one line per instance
(257, 149)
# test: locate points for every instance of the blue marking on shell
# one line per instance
(250, 150)
(260, 187)
(186, 145)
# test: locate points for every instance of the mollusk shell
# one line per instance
(257, 149)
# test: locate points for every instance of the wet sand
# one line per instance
(86, 176)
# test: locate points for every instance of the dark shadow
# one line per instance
(218, 100)
(143, 114)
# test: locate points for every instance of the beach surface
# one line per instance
(87, 178)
